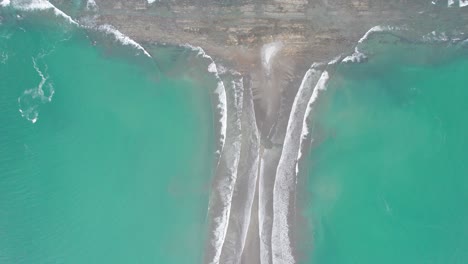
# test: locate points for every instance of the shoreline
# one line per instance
(271, 77)
(273, 101)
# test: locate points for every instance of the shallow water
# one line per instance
(116, 166)
(386, 175)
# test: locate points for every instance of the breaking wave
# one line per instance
(31, 99)
(285, 182)
(320, 86)
(4, 57)
(461, 3)
(220, 92)
(38, 5)
(34, 5)
(224, 183)
(433, 37)
(122, 38)
(284, 185)
(358, 56)
(5, 3)
(269, 51)
(91, 5)
(230, 101)
(453, 3)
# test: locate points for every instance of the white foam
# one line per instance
(222, 106)
(42, 5)
(226, 175)
(4, 57)
(220, 91)
(285, 180)
(356, 57)
(212, 68)
(336, 60)
(463, 3)
(91, 5)
(122, 38)
(264, 219)
(245, 187)
(222, 70)
(5, 3)
(269, 51)
(253, 172)
(151, 1)
(435, 37)
(378, 29)
(431, 37)
(229, 154)
(320, 86)
(31, 99)
(450, 3)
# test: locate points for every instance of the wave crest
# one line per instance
(220, 91)
(122, 38)
(38, 5)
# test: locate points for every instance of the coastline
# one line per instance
(273, 101)
(273, 87)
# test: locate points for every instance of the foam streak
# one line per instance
(91, 5)
(31, 99)
(226, 176)
(320, 86)
(242, 201)
(41, 5)
(5, 3)
(285, 182)
(358, 56)
(122, 38)
(220, 91)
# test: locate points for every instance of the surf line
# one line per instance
(432, 37)
(42, 5)
(358, 56)
(284, 190)
(91, 5)
(229, 219)
(230, 106)
(220, 91)
(226, 176)
(39, 5)
(286, 173)
(122, 38)
(245, 185)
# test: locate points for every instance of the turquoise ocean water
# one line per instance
(117, 164)
(106, 155)
(386, 178)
